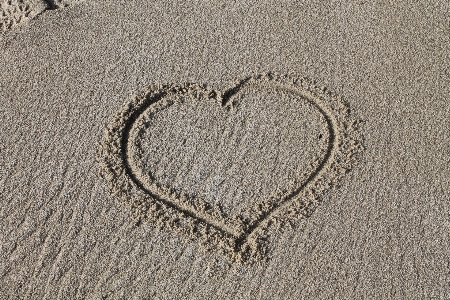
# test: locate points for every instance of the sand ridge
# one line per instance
(241, 236)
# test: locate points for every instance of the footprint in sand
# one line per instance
(17, 12)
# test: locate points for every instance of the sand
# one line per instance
(18, 12)
(250, 150)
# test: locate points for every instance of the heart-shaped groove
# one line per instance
(148, 121)
(241, 235)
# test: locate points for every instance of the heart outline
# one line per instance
(116, 163)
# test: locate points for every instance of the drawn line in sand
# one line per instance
(242, 234)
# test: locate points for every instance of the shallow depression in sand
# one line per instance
(232, 155)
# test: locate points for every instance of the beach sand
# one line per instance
(224, 150)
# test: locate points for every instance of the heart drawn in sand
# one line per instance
(224, 166)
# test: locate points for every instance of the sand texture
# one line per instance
(225, 166)
(18, 12)
(15, 12)
(55, 4)
(217, 150)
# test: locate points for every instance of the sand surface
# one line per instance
(92, 209)
(247, 152)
